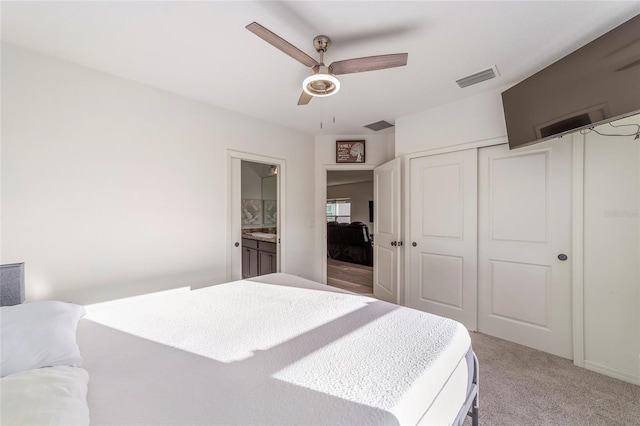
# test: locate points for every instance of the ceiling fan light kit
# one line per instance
(322, 82)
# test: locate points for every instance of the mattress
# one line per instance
(275, 349)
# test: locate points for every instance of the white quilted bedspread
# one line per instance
(45, 396)
(276, 349)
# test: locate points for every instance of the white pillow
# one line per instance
(45, 396)
(39, 334)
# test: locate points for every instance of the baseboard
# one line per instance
(612, 372)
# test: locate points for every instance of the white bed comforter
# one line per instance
(276, 349)
(45, 396)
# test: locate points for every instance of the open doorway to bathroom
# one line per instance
(234, 209)
(259, 218)
(349, 214)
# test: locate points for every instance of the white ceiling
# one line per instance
(203, 51)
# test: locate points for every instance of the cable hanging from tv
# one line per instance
(636, 134)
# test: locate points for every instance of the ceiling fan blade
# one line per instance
(370, 63)
(282, 44)
(305, 98)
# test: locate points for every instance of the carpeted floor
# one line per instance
(523, 386)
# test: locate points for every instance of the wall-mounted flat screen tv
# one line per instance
(596, 84)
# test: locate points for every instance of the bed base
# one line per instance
(470, 407)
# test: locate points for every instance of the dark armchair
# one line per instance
(349, 243)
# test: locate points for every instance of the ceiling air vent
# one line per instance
(478, 77)
(379, 125)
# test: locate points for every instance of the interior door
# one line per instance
(386, 230)
(525, 224)
(443, 236)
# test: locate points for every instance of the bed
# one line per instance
(275, 349)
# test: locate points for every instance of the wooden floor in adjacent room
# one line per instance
(350, 276)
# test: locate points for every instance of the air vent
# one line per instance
(478, 77)
(379, 125)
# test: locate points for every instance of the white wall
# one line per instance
(111, 188)
(612, 253)
(360, 194)
(479, 118)
(379, 148)
(270, 188)
(251, 180)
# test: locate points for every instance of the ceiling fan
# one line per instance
(322, 81)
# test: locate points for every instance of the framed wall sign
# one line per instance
(350, 152)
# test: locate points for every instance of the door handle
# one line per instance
(237, 244)
(399, 243)
(414, 244)
(393, 243)
(562, 257)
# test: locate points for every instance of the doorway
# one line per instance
(255, 231)
(349, 221)
(258, 212)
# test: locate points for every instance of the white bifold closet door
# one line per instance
(524, 286)
(443, 236)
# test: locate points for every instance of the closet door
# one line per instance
(524, 285)
(443, 236)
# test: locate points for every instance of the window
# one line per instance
(339, 210)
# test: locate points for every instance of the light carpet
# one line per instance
(523, 386)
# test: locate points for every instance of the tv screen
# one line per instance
(596, 84)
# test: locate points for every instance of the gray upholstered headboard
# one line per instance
(11, 284)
